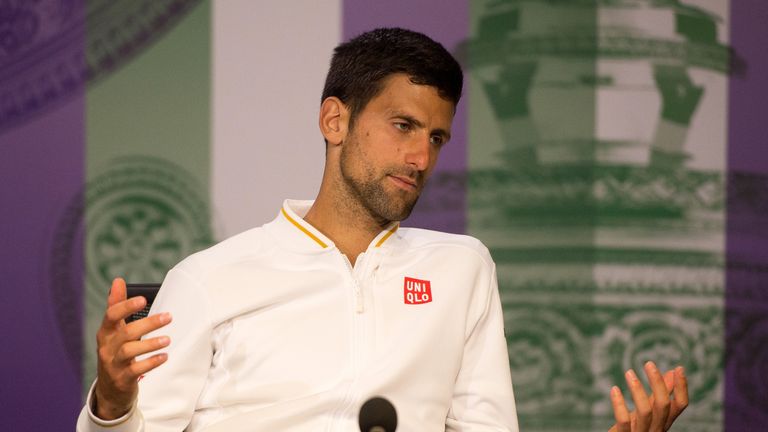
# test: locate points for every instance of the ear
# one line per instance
(334, 119)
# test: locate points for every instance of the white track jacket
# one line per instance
(274, 330)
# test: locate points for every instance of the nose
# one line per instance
(418, 153)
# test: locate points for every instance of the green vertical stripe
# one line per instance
(604, 217)
(532, 159)
(148, 148)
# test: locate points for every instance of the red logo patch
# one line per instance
(416, 291)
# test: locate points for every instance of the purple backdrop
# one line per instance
(42, 166)
(42, 144)
(746, 359)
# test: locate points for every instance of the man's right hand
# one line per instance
(118, 346)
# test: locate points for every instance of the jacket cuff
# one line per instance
(132, 421)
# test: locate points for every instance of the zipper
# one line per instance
(359, 305)
(349, 399)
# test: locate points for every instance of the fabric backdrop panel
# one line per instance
(532, 157)
(148, 134)
(746, 389)
(41, 164)
(597, 178)
(270, 60)
(40, 293)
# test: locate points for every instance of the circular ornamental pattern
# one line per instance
(136, 220)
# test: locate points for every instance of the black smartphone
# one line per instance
(146, 290)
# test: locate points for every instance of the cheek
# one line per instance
(360, 161)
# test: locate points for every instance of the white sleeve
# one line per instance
(88, 422)
(483, 399)
(169, 393)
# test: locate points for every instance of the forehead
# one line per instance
(401, 96)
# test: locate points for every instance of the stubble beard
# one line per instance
(370, 192)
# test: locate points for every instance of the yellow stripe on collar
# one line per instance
(387, 235)
(304, 230)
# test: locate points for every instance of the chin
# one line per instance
(401, 213)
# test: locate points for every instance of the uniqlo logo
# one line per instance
(416, 291)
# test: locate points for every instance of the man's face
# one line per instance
(390, 152)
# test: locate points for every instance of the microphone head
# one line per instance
(378, 415)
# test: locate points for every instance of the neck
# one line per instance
(350, 227)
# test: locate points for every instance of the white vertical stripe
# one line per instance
(269, 65)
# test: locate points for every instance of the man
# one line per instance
(293, 325)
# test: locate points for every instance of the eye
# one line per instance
(436, 140)
(402, 126)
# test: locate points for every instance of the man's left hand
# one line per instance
(655, 412)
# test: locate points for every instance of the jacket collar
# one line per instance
(291, 227)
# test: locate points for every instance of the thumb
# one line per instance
(118, 292)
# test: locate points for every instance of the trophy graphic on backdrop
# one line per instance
(596, 177)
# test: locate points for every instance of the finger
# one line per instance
(642, 404)
(140, 368)
(129, 350)
(117, 293)
(620, 412)
(679, 396)
(669, 380)
(139, 328)
(116, 313)
(660, 396)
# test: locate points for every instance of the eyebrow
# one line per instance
(412, 120)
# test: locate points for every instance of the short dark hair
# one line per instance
(359, 66)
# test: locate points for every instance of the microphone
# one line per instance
(378, 415)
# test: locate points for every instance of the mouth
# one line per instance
(403, 182)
